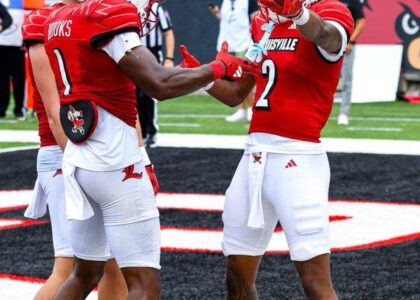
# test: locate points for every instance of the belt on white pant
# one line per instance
(77, 205)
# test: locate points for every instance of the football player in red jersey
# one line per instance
(284, 174)
(49, 186)
(95, 52)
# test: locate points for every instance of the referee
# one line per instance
(147, 106)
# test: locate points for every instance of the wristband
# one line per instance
(209, 86)
(219, 69)
(144, 157)
(303, 17)
(352, 43)
(169, 58)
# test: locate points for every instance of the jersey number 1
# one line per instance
(63, 71)
(269, 71)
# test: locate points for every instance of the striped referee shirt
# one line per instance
(154, 39)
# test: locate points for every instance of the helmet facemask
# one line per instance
(147, 14)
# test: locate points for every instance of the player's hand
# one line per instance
(151, 173)
(285, 8)
(189, 60)
(236, 67)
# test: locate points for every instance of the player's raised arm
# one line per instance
(164, 83)
(327, 26)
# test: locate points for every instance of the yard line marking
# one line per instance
(384, 119)
(386, 129)
(202, 116)
(180, 125)
(213, 141)
(370, 119)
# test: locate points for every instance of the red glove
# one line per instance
(286, 8)
(189, 60)
(230, 67)
(151, 173)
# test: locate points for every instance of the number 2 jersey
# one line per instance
(294, 96)
(77, 36)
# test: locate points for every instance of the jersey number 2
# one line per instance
(63, 72)
(269, 71)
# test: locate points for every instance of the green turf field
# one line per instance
(202, 114)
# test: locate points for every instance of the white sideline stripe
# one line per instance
(385, 129)
(220, 116)
(382, 119)
(337, 145)
(179, 125)
(193, 116)
(23, 290)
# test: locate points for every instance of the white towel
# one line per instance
(77, 205)
(256, 166)
(38, 206)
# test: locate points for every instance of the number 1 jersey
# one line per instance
(74, 36)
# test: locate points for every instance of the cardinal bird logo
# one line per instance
(129, 173)
(76, 117)
(407, 27)
(257, 157)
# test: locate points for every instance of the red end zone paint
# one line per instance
(354, 224)
(22, 278)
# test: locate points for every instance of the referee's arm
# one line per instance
(165, 25)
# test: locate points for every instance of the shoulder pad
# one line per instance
(333, 10)
(115, 14)
(33, 26)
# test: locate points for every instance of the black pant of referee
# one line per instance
(12, 66)
(147, 110)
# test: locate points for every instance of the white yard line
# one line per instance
(340, 145)
(194, 125)
(198, 116)
(385, 129)
(221, 116)
(382, 119)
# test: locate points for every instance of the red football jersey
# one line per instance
(33, 32)
(295, 95)
(74, 37)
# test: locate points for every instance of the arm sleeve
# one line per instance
(121, 44)
(164, 19)
(332, 57)
(5, 17)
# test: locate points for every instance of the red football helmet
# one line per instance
(148, 14)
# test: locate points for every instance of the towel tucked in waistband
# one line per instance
(256, 167)
(77, 205)
(38, 206)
